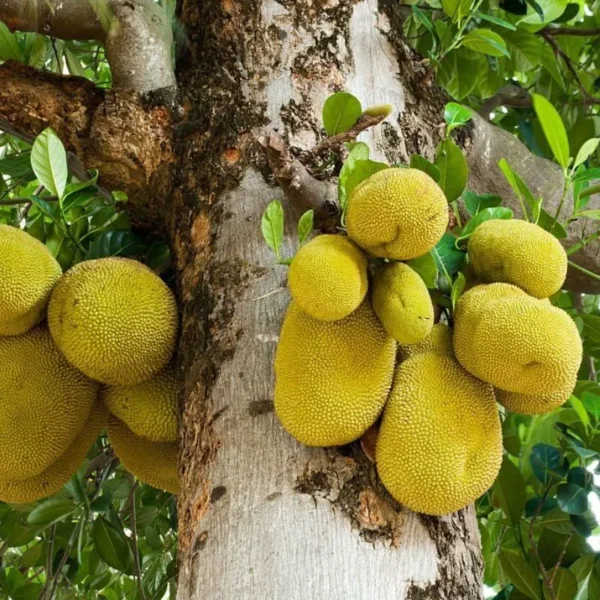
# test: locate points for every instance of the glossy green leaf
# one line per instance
(497, 21)
(454, 170)
(419, 162)
(50, 511)
(547, 462)
(458, 74)
(116, 242)
(305, 225)
(586, 150)
(520, 188)
(426, 267)
(475, 203)
(485, 41)
(564, 586)
(17, 166)
(572, 499)
(9, 47)
(456, 115)
(550, 63)
(554, 129)
(356, 151)
(456, 9)
(520, 573)
(272, 226)
(49, 162)
(74, 64)
(509, 488)
(584, 524)
(447, 257)
(458, 287)
(112, 545)
(487, 214)
(340, 112)
(559, 521)
(525, 49)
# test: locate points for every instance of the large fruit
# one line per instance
(397, 213)
(516, 342)
(154, 463)
(520, 253)
(438, 341)
(43, 403)
(28, 272)
(534, 404)
(114, 319)
(332, 379)
(149, 409)
(328, 277)
(440, 443)
(402, 303)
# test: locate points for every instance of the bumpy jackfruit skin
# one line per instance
(537, 404)
(520, 253)
(43, 403)
(154, 463)
(51, 480)
(438, 341)
(114, 319)
(397, 213)
(148, 409)
(440, 443)
(332, 379)
(402, 303)
(514, 341)
(28, 273)
(328, 277)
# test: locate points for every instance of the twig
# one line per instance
(570, 31)
(49, 557)
(100, 462)
(333, 143)
(534, 548)
(578, 304)
(55, 580)
(584, 270)
(26, 200)
(36, 573)
(134, 542)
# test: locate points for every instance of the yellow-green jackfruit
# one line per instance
(438, 341)
(332, 379)
(148, 409)
(536, 404)
(28, 273)
(114, 319)
(328, 277)
(397, 213)
(43, 403)
(440, 443)
(520, 253)
(154, 463)
(402, 303)
(56, 475)
(514, 341)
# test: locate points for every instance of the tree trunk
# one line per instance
(261, 516)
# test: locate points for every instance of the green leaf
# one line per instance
(485, 41)
(553, 128)
(447, 257)
(547, 462)
(272, 226)
(497, 21)
(458, 74)
(546, 221)
(357, 151)
(584, 175)
(456, 115)
(454, 171)
(74, 64)
(36, 50)
(116, 242)
(589, 214)
(564, 586)
(340, 112)
(579, 408)
(475, 203)
(572, 499)
(17, 166)
(509, 488)
(49, 162)
(586, 150)
(519, 187)
(305, 225)
(30, 591)
(456, 9)
(426, 267)
(559, 521)
(584, 524)
(458, 288)
(9, 47)
(50, 511)
(487, 214)
(419, 162)
(550, 63)
(525, 49)
(112, 545)
(520, 573)
(594, 581)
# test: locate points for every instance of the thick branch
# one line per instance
(490, 144)
(136, 33)
(570, 31)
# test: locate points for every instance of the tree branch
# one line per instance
(136, 33)
(570, 31)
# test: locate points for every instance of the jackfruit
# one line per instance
(43, 402)
(154, 463)
(440, 443)
(148, 409)
(536, 404)
(332, 379)
(402, 303)
(438, 341)
(114, 319)
(28, 273)
(516, 342)
(56, 475)
(520, 253)
(397, 213)
(328, 277)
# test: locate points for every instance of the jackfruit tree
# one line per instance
(426, 175)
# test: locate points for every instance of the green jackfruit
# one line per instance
(440, 443)
(397, 213)
(148, 409)
(328, 277)
(56, 475)
(536, 404)
(114, 319)
(154, 463)
(438, 341)
(516, 342)
(43, 402)
(520, 253)
(332, 379)
(402, 303)
(28, 273)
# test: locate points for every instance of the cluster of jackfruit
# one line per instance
(106, 346)
(358, 342)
